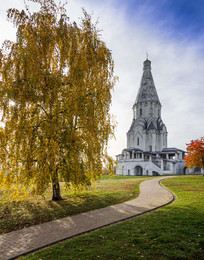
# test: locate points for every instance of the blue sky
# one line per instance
(173, 33)
(177, 16)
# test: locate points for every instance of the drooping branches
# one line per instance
(55, 96)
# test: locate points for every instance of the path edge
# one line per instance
(173, 199)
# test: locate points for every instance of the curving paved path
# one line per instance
(152, 196)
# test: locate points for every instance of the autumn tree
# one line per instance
(109, 166)
(55, 96)
(195, 153)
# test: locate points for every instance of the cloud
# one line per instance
(177, 67)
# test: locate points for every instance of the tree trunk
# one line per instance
(56, 188)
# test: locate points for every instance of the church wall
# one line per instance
(138, 141)
(138, 107)
(155, 110)
(161, 141)
(148, 141)
(128, 167)
(150, 111)
(146, 137)
(142, 142)
(131, 139)
(158, 142)
(180, 167)
(133, 136)
(153, 141)
(128, 140)
(147, 109)
(164, 140)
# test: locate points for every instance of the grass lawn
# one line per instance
(172, 232)
(108, 191)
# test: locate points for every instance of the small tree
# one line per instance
(109, 166)
(195, 153)
(55, 95)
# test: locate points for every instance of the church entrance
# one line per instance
(138, 170)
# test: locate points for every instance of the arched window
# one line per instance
(150, 148)
(140, 111)
(138, 141)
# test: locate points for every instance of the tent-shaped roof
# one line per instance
(147, 90)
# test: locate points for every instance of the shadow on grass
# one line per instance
(17, 215)
(51, 232)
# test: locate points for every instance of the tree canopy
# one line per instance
(55, 96)
(195, 153)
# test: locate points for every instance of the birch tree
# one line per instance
(55, 96)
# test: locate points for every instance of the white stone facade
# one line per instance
(147, 152)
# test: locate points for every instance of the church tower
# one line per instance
(147, 152)
(147, 132)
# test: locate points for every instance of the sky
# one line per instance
(172, 32)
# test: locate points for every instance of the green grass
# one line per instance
(117, 177)
(172, 232)
(17, 215)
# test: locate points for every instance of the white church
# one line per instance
(147, 152)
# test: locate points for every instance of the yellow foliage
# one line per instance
(109, 165)
(55, 96)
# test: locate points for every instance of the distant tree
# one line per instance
(55, 95)
(109, 166)
(195, 153)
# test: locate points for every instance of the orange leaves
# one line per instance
(195, 153)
